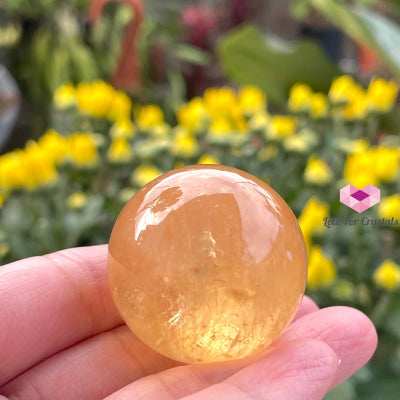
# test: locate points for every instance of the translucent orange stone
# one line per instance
(207, 263)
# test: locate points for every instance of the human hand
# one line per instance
(61, 337)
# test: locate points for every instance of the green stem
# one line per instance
(380, 310)
(372, 127)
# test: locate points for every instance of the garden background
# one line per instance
(99, 98)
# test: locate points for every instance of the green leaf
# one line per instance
(58, 71)
(191, 54)
(76, 222)
(83, 63)
(371, 29)
(386, 36)
(300, 8)
(273, 66)
(177, 89)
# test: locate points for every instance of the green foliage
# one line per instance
(274, 66)
(56, 47)
(371, 29)
(55, 226)
(40, 8)
(58, 59)
(191, 54)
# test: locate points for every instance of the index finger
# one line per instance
(51, 302)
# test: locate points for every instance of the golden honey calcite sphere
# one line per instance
(207, 263)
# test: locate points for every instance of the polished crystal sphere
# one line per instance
(207, 263)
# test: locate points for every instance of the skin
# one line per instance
(62, 338)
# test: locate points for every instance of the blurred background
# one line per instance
(97, 98)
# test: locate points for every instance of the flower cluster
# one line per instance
(37, 164)
(306, 155)
(373, 166)
(222, 112)
(98, 99)
(346, 99)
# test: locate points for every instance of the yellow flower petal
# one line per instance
(317, 171)
(390, 207)
(321, 270)
(387, 275)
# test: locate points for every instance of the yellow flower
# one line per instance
(387, 275)
(147, 117)
(240, 123)
(370, 167)
(208, 159)
(390, 207)
(321, 269)
(95, 98)
(251, 100)
(122, 128)
(319, 105)
(359, 145)
(317, 171)
(144, 174)
(120, 151)
(386, 162)
(29, 168)
(300, 98)
(54, 145)
(311, 219)
(39, 167)
(267, 153)
(357, 106)
(192, 115)
(220, 127)
(120, 106)
(341, 89)
(65, 96)
(220, 102)
(381, 95)
(225, 132)
(12, 173)
(281, 126)
(82, 150)
(184, 144)
(76, 200)
(360, 169)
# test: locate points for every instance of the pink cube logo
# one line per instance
(360, 199)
